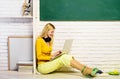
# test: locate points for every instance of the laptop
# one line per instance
(66, 48)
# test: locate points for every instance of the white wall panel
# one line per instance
(8, 28)
(11, 8)
(12, 23)
(96, 44)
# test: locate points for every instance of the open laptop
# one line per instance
(66, 49)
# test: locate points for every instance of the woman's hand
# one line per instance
(56, 54)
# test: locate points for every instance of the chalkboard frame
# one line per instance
(45, 15)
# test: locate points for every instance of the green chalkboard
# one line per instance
(79, 10)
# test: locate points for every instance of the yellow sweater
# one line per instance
(43, 51)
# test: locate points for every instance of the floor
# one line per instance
(56, 75)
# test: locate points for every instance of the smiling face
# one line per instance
(48, 31)
(51, 33)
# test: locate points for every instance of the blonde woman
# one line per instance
(43, 54)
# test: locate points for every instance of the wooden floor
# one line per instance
(56, 75)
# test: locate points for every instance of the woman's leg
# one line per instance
(85, 70)
(64, 60)
(55, 64)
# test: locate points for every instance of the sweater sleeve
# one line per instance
(39, 51)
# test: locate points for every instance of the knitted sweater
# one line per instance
(43, 51)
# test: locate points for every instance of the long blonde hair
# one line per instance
(45, 30)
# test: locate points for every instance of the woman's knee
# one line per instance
(66, 59)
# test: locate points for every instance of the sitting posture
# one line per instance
(43, 53)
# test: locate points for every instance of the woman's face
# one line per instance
(51, 33)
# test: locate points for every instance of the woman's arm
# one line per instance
(55, 54)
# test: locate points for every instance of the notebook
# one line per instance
(66, 48)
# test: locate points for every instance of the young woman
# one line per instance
(44, 55)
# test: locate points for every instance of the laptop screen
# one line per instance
(67, 45)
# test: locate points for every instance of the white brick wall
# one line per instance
(11, 8)
(12, 27)
(96, 44)
(12, 24)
